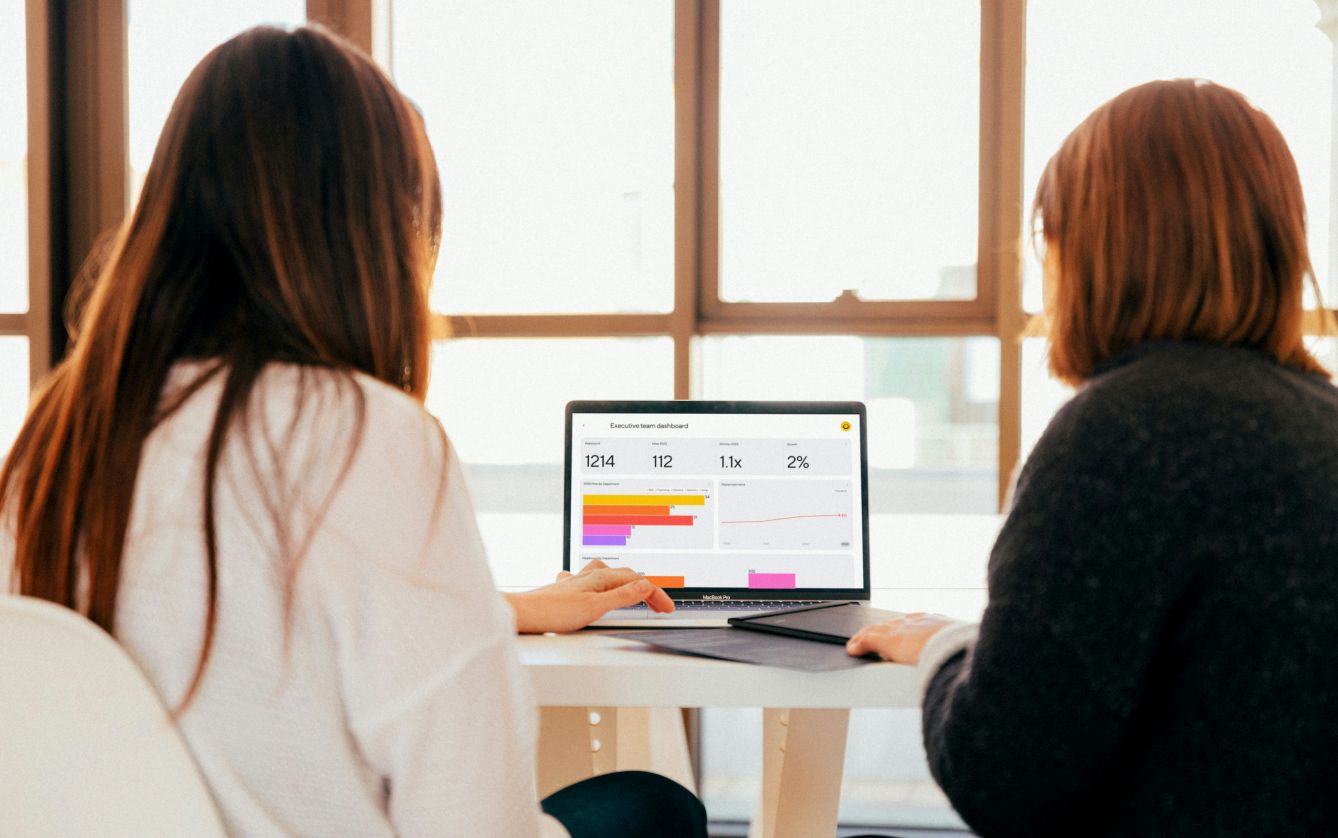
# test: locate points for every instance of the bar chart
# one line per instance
(653, 514)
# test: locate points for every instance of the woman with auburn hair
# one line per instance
(233, 473)
(1159, 655)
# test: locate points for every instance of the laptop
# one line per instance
(733, 508)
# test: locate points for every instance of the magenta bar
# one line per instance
(605, 541)
(607, 529)
(771, 580)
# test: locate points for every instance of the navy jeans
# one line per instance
(628, 804)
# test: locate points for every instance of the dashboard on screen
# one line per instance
(756, 498)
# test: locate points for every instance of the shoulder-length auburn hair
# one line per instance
(291, 214)
(1173, 212)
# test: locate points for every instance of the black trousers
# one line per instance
(628, 804)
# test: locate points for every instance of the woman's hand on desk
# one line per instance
(575, 601)
(900, 640)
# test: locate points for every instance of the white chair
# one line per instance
(86, 746)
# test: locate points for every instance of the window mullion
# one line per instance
(364, 22)
(691, 79)
(82, 65)
(548, 325)
(1002, 86)
(37, 323)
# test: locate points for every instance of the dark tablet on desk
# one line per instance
(748, 647)
(833, 622)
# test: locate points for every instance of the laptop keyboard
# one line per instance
(737, 605)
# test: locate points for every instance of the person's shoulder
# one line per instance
(1169, 406)
(397, 419)
(331, 399)
(330, 429)
(1169, 385)
(338, 387)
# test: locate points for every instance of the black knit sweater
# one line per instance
(1160, 651)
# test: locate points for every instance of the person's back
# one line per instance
(385, 652)
(1246, 674)
(1188, 496)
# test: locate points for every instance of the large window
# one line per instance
(715, 180)
(777, 197)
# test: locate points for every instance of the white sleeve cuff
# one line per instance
(945, 643)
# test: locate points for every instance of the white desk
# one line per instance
(634, 692)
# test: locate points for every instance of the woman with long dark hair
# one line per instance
(1160, 651)
(233, 473)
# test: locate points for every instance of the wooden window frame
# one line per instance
(77, 175)
(34, 324)
(77, 125)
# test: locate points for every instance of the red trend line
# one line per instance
(786, 518)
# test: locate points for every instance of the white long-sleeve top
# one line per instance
(373, 687)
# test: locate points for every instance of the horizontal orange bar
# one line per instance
(668, 581)
(626, 510)
(642, 520)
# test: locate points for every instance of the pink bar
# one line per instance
(608, 529)
(771, 580)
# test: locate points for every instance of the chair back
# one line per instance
(86, 746)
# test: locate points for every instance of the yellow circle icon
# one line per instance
(845, 426)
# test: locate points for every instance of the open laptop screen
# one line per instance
(757, 500)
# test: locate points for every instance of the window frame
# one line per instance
(77, 175)
(996, 311)
(77, 161)
(34, 323)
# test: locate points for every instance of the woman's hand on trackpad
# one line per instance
(576, 600)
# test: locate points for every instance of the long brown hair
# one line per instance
(1173, 212)
(291, 214)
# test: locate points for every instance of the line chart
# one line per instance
(762, 514)
(786, 518)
